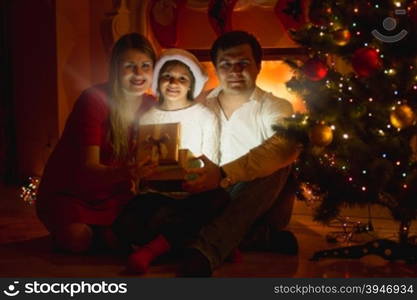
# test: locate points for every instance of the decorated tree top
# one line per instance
(360, 90)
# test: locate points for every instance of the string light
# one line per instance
(345, 136)
(29, 191)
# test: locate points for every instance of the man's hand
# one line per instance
(208, 177)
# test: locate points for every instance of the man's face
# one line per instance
(236, 69)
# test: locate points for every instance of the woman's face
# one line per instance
(175, 82)
(135, 71)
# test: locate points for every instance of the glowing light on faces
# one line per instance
(135, 72)
(236, 69)
(174, 83)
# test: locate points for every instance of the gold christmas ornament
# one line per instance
(341, 37)
(402, 117)
(321, 135)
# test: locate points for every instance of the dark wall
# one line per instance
(8, 161)
(31, 30)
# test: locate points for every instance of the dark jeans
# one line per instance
(178, 220)
(253, 203)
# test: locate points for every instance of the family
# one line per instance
(239, 199)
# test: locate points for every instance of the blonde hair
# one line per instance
(118, 134)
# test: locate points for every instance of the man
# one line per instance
(254, 161)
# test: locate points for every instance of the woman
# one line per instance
(155, 222)
(87, 179)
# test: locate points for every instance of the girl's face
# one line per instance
(135, 72)
(175, 82)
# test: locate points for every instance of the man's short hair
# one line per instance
(236, 38)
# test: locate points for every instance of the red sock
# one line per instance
(140, 260)
(235, 256)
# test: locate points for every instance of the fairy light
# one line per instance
(333, 127)
(381, 132)
(345, 136)
(350, 179)
(364, 172)
(398, 163)
(29, 192)
(404, 175)
(384, 155)
(364, 188)
(405, 186)
(371, 99)
(356, 10)
(395, 93)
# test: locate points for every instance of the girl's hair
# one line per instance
(118, 134)
(171, 64)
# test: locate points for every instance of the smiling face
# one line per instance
(135, 72)
(236, 69)
(175, 82)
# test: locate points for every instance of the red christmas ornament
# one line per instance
(315, 69)
(366, 61)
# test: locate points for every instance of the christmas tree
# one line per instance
(360, 90)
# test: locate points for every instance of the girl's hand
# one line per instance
(142, 169)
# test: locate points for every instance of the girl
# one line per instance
(156, 222)
(87, 178)
(178, 80)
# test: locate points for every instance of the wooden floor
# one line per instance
(25, 251)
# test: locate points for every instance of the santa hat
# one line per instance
(186, 58)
